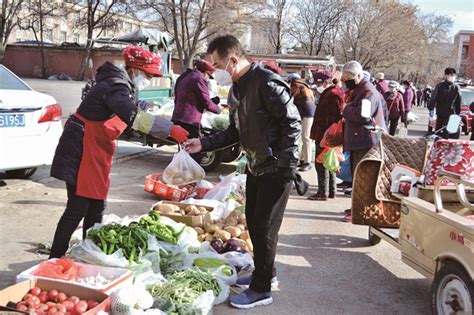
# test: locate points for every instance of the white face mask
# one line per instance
(320, 89)
(141, 82)
(222, 76)
(451, 78)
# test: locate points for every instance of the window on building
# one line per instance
(63, 36)
(48, 35)
(75, 38)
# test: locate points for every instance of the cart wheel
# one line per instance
(231, 154)
(373, 239)
(211, 160)
(452, 291)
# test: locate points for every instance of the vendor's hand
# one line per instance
(216, 100)
(179, 134)
(193, 146)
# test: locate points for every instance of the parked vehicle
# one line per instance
(467, 98)
(30, 126)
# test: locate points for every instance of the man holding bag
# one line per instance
(267, 124)
(84, 154)
(327, 113)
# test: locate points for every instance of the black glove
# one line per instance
(216, 100)
(286, 173)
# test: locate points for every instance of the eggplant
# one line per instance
(233, 245)
(217, 245)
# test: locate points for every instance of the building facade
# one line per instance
(464, 50)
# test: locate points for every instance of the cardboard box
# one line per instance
(16, 292)
(189, 220)
(119, 277)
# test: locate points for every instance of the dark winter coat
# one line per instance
(328, 111)
(446, 98)
(265, 121)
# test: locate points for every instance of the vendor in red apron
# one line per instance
(84, 154)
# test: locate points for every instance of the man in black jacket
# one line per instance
(446, 98)
(267, 124)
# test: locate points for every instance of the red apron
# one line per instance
(93, 179)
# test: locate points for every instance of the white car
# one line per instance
(30, 126)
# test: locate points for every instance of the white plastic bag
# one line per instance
(218, 272)
(183, 170)
(229, 184)
(412, 117)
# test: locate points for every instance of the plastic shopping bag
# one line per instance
(334, 136)
(331, 161)
(345, 173)
(183, 170)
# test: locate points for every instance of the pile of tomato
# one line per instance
(54, 303)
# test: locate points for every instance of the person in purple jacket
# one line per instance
(381, 84)
(408, 98)
(192, 98)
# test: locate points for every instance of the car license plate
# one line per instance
(12, 120)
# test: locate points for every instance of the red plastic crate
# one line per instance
(165, 191)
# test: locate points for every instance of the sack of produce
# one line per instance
(214, 263)
(334, 135)
(183, 170)
(331, 162)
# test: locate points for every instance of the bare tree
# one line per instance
(40, 12)
(380, 34)
(315, 20)
(193, 22)
(8, 18)
(95, 16)
(437, 27)
(275, 28)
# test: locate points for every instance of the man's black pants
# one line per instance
(267, 196)
(393, 126)
(77, 208)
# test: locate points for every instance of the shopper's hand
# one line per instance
(179, 134)
(193, 146)
(216, 100)
(286, 173)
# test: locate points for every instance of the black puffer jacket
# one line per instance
(264, 119)
(112, 95)
(446, 98)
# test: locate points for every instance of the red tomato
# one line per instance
(52, 311)
(59, 313)
(53, 294)
(43, 307)
(34, 303)
(69, 305)
(61, 308)
(80, 307)
(35, 291)
(27, 296)
(40, 312)
(74, 299)
(43, 296)
(91, 304)
(21, 306)
(61, 297)
(51, 304)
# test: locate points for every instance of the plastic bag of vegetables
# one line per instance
(214, 263)
(183, 170)
(130, 300)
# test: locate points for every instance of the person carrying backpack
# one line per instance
(396, 107)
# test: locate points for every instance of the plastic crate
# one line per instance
(165, 191)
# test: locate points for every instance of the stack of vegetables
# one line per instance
(229, 235)
(133, 239)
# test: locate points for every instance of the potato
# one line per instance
(202, 209)
(245, 235)
(234, 231)
(182, 212)
(211, 228)
(199, 230)
(222, 235)
(193, 209)
(241, 227)
(242, 219)
(232, 222)
(250, 245)
(220, 225)
(167, 208)
(209, 237)
(202, 238)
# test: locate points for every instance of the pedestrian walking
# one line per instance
(267, 124)
(85, 150)
(364, 108)
(304, 100)
(396, 108)
(408, 98)
(192, 99)
(446, 100)
(380, 83)
(327, 113)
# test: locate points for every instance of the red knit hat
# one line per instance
(139, 58)
(205, 66)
